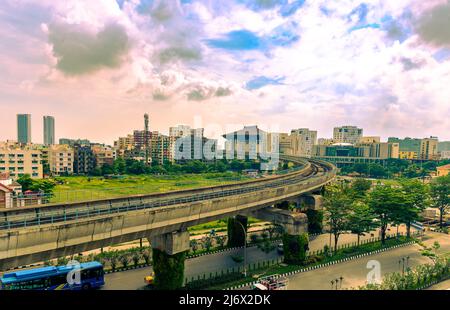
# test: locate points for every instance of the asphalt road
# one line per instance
(134, 279)
(354, 272)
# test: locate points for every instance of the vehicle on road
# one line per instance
(280, 248)
(80, 276)
(271, 283)
(149, 280)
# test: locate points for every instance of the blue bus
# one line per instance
(55, 278)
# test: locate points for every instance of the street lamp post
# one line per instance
(245, 248)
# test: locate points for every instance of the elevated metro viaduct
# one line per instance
(34, 234)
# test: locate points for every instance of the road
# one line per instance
(445, 285)
(354, 272)
(133, 279)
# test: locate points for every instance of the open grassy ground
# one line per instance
(78, 188)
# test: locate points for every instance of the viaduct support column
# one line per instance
(237, 231)
(314, 207)
(295, 237)
(169, 252)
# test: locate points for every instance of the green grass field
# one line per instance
(79, 188)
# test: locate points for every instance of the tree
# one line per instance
(417, 200)
(361, 219)
(120, 165)
(384, 202)
(440, 195)
(376, 171)
(337, 205)
(315, 221)
(107, 169)
(360, 187)
(26, 181)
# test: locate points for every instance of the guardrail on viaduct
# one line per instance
(39, 233)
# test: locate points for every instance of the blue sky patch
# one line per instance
(361, 11)
(144, 6)
(261, 81)
(237, 40)
(442, 55)
(260, 5)
(291, 8)
(397, 29)
(366, 26)
(283, 35)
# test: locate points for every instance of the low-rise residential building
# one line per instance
(124, 143)
(18, 160)
(445, 155)
(443, 170)
(103, 155)
(84, 159)
(61, 159)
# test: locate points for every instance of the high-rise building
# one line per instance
(347, 134)
(49, 130)
(24, 128)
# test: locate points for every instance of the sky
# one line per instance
(98, 66)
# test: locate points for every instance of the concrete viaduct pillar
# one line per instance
(294, 223)
(237, 231)
(295, 237)
(169, 253)
(311, 202)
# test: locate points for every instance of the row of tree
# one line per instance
(393, 168)
(135, 167)
(360, 208)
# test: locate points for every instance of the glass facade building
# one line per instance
(24, 128)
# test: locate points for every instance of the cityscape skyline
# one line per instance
(166, 128)
(376, 65)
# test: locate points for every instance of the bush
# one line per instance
(169, 270)
(220, 279)
(237, 258)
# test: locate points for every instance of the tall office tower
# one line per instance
(49, 130)
(347, 134)
(24, 128)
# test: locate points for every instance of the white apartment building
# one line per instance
(18, 161)
(60, 159)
